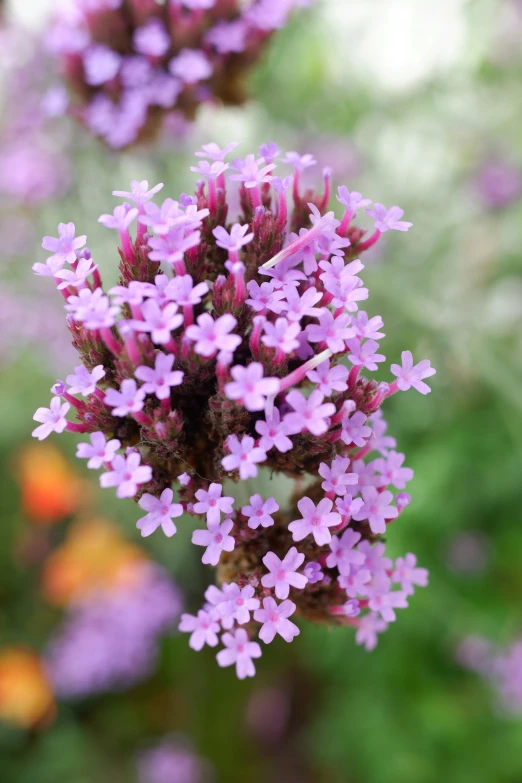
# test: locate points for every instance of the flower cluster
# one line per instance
(502, 668)
(228, 346)
(173, 759)
(132, 63)
(109, 640)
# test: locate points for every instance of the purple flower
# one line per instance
(355, 581)
(376, 509)
(127, 474)
(299, 162)
(191, 66)
(281, 335)
(214, 152)
(64, 248)
(315, 521)
(343, 556)
(152, 39)
(383, 602)
(265, 297)
(283, 573)
(329, 379)
(313, 572)
(181, 289)
(161, 511)
(233, 604)
(370, 625)
(274, 433)
(310, 413)
(347, 505)
(76, 277)
(211, 171)
(367, 328)
(159, 322)
(386, 219)
(259, 511)
(139, 193)
(352, 201)
(297, 307)
(407, 574)
(336, 479)
(244, 456)
(249, 387)
(409, 375)
(93, 309)
(122, 217)
(161, 378)
(129, 399)
(98, 451)
(212, 336)
(239, 650)
(52, 419)
(212, 504)
(391, 470)
(363, 354)
(101, 64)
(274, 619)
(203, 629)
(233, 240)
(355, 431)
(330, 330)
(109, 640)
(84, 382)
(216, 539)
(172, 247)
(169, 761)
(249, 172)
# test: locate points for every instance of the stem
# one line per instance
(369, 242)
(297, 375)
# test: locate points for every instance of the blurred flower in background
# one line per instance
(26, 695)
(173, 761)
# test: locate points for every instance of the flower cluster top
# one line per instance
(131, 61)
(231, 344)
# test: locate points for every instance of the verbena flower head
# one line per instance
(109, 640)
(130, 64)
(182, 390)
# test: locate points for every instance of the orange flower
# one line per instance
(26, 696)
(95, 556)
(51, 490)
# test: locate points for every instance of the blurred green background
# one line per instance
(413, 103)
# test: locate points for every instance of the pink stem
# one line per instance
(369, 242)
(110, 341)
(354, 374)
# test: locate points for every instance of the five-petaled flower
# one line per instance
(283, 573)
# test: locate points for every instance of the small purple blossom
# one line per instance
(281, 335)
(352, 201)
(343, 556)
(315, 521)
(310, 413)
(283, 573)
(129, 399)
(64, 248)
(126, 474)
(249, 387)
(85, 382)
(234, 240)
(239, 650)
(274, 619)
(259, 511)
(274, 433)
(336, 479)
(313, 572)
(409, 375)
(212, 336)
(160, 512)
(159, 379)
(203, 629)
(376, 509)
(355, 430)
(216, 539)
(211, 503)
(363, 354)
(331, 331)
(52, 419)
(191, 66)
(244, 456)
(329, 379)
(98, 451)
(386, 219)
(407, 574)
